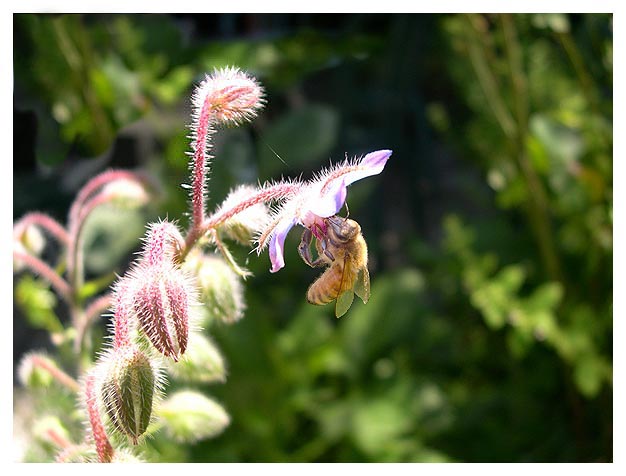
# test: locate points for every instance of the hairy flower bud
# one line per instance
(243, 225)
(162, 306)
(38, 370)
(127, 392)
(233, 96)
(29, 240)
(127, 193)
(35, 376)
(32, 239)
(162, 244)
(220, 287)
(190, 416)
(201, 363)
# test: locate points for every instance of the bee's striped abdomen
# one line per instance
(326, 288)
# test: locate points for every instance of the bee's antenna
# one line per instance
(347, 210)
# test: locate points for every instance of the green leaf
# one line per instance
(590, 372)
(546, 297)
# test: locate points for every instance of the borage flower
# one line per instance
(320, 198)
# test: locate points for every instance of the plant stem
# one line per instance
(264, 195)
(44, 221)
(538, 201)
(90, 314)
(487, 80)
(56, 373)
(46, 272)
(200, 164)
(103, 446)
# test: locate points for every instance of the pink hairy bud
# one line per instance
(229, 95)
(161, 304)
(163, 244)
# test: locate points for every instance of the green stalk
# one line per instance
(538, 204)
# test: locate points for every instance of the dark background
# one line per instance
(488, 336)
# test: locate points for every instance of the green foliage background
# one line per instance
(488, 336)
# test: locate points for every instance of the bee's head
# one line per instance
(342, 229)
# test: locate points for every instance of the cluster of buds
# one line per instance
(155, 304)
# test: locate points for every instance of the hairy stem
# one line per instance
(200, 163)
(56, 373)
(78, 214)
(92, 312)
(45, 222)
(46, 272)
(58, 439)
(264, 195)
(103, 446)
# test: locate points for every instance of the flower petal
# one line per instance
(277, 243)
(372, 164)
(331, 201)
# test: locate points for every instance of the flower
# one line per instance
(315, 200)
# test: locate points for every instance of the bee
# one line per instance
(342, 248)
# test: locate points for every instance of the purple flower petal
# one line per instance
(277, 243)
(331, 201)
(372, 164)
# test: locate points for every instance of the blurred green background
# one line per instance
(488, 337)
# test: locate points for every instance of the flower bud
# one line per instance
(243, 225)
(127, 193)
(201, 363)
(233, 96)
(190, 416)
(162, 305)
(29, 240)
(220, 287)
(36, 376)
(33, 240)
(127, 392)
(162, 244)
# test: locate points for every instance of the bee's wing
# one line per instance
(346, 294)
(344, 301)
(362, 285)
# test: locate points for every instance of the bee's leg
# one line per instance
(321, 261)
(324, 254)
(304, 248)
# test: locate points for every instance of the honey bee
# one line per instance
(343, 249)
